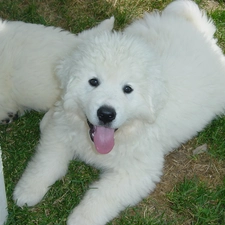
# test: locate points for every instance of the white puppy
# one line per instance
(29, 54)
(137, 95)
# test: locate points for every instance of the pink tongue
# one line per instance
(103, 139)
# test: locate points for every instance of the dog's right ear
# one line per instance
(105, 25)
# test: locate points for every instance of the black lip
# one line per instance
(92, 130)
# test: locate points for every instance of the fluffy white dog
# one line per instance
(128, 99)
(29, 54)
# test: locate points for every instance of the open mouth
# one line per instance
(103, 138)
(91, 131)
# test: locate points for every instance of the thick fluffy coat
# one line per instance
(29, 55)
(138, 95)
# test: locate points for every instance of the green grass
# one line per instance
(199, 204)
(214, 135)
(218, 17)
(190, 202)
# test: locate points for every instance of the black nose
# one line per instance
(106, 114)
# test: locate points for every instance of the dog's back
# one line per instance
(29, 53)
(192, 65)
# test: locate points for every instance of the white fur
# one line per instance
(29, 54)
(177, 73)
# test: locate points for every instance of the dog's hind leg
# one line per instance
(10, 117)
(8, 114)
(9, 109)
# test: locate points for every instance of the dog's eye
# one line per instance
(127, 89)
(94, 82)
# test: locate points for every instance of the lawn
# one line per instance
(192, 190)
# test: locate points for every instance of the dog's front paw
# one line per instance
(80, 217)
(78, 220)
(28, 194)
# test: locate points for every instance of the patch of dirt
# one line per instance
(182, 164)
(210, 5)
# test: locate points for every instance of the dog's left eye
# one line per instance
(94, 82)
(127, 89)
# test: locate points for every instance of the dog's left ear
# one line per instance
(105, 25)
(63, 69)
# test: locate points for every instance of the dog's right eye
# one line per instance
(94, 82)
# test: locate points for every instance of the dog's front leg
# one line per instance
(113, 193)
(49, 164)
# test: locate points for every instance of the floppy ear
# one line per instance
(105, 25)
(63, 69)
(156, 93)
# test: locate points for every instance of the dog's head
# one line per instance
(110, 81)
